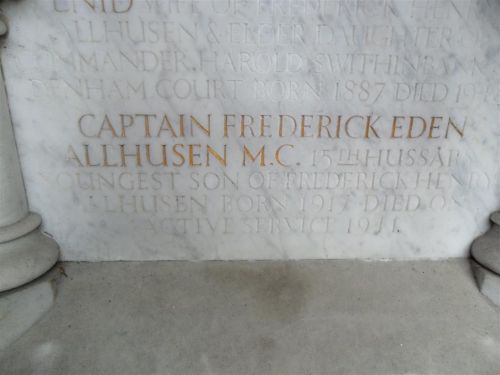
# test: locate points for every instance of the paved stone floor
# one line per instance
(308, 317)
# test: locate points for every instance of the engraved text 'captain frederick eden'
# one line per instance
(168, 135)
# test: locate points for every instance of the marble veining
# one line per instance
(257, 129)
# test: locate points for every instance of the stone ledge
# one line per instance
(268, 317)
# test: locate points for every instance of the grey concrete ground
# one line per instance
(308, 317)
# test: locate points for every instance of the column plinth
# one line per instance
(486, 260)
(25, 253)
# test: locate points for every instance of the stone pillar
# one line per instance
(25, 253)
(486, 261)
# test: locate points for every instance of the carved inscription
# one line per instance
(331, 122)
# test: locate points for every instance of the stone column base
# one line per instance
(25, 253)
(486, 261)
(488, 282)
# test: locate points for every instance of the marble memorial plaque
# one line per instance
(257, 129)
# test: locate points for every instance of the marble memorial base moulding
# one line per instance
(257, 129)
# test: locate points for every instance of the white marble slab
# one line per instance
(378, 121)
